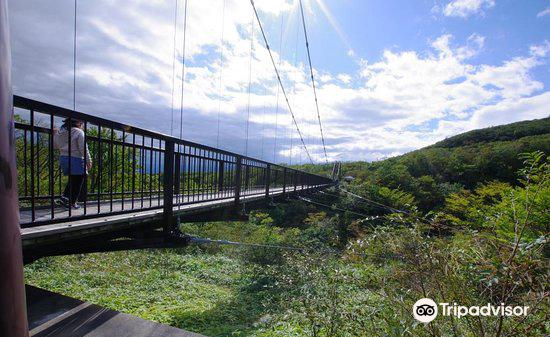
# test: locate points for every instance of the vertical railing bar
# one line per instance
(189, 174)
(211, 177)
(133, 169)
(99, 167)
(32, 165)
(194, 187)
(123, 189)
(50, 169)
(142, 168)
(160, 157)
(25, 179)
(70, 135)
(111, 173)
(151, 174)
(37, 152)
(201, 167)
(85, 182)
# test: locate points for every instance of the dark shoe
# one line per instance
(62, 202)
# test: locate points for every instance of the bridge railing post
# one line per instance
(168, 181)
(267, 179)
(284, 180)
(177, 175)
(238, 179)
(247, 177)
(220, 176)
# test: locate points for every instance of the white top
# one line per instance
(79, 149)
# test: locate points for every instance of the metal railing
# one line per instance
(134, 169)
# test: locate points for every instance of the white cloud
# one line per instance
(405, 100)
(345, 78)
(544, 12)
(466, 8)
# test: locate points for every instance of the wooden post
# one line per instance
(13, 316)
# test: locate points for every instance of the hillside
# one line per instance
(508, 132)
(462, 161)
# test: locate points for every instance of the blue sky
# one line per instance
(392, 75)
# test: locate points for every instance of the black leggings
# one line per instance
(73, 188)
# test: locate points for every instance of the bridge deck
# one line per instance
(107, 207)
(190, 204)
(55, 315)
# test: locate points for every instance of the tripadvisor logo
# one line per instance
(425, 310)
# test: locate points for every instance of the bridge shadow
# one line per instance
(240, 315)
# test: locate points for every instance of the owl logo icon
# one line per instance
(425, 310)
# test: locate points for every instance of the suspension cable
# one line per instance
(220, 75)
(249, 82)
(295, 63)
(368, 217)
(174, 67)
(183, 66)
(291, 146)
(422, 220)
(374, 202)
(199, 240)
(263, 125)
(74, 56)
(278, 92)
(280, 80)
(313, 80)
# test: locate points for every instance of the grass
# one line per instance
(204, 293)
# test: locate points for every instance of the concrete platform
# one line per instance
(55, 315)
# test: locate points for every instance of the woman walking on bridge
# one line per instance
(75, 164)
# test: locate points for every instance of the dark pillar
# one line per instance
(284, 180)
(13, 317)
(168, 180)
(267, 173)
(238, 180)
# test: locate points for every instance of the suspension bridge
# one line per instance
(141, 181)
(141, 186)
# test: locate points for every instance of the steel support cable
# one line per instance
(425, 221)
(369, 201)
(295, 63)
(333, 208)
(263, 125)
(183, 66)
(280, 81)
(249, 82)
(374, 202)
(313, 80)
(174, 67)
(222, 41)
(278, 92)
(199, 240)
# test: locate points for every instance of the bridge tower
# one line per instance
(13, 318)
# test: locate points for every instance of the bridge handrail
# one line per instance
(173, 170)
